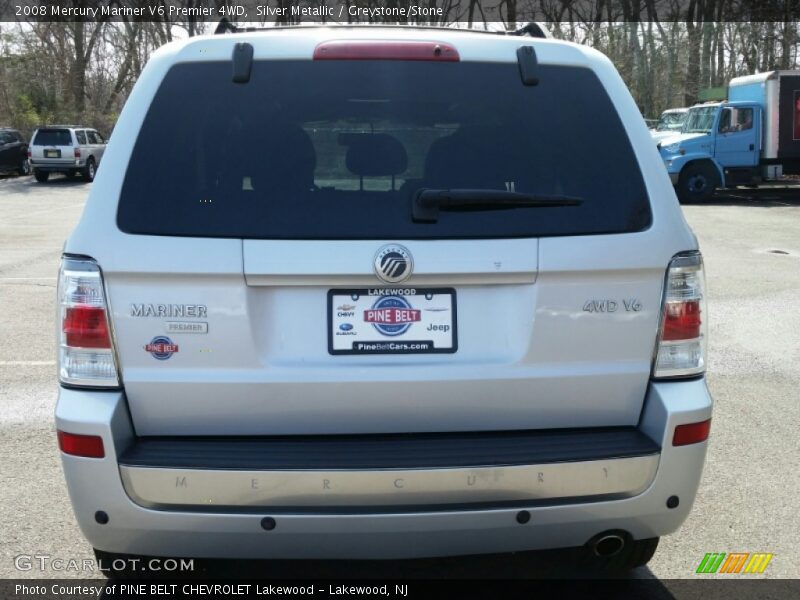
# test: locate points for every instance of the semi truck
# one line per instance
(751, 138)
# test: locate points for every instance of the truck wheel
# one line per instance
(697, 182)
(24, 167)
(89, 171)
(41, 176)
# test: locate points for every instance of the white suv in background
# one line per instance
(66, 149)
(387, 298)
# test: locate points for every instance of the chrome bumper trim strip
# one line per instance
(157, 487)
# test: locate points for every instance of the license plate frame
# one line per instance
(369, 336)
(52, 153)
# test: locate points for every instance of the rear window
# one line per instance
(53, 137)
(337, 150)
(10, 136)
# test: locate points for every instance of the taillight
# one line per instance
(681, 350)
(77, 152)
(30, 154)
(85, 327)
(399, 50)
(86, 354)
(90, 446)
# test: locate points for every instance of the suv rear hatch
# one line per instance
(250, 279)
(53, 147)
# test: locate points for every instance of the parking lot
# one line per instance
(748, 498)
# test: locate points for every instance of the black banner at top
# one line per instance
(503, 14)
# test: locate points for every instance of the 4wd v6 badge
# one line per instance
(609, 306)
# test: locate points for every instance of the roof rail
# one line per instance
(532, 30)
(536, 30)
(224, 26)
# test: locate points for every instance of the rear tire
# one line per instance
(697, 182)
(642, 552)
(89, 171)
(132, 566)
(635, 554)
(116, 566)
(25, 167)
(41, 176)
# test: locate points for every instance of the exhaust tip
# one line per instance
(608, 545)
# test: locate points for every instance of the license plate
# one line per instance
(52, 153)
(392, 321)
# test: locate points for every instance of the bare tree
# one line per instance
(667, 51)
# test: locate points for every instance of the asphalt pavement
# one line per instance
(748, 500)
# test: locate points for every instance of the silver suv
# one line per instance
(387, 298)
(66, 149)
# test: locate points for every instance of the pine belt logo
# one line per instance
(392, 315)
(161, 347)
(734, 562)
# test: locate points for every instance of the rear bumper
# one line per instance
(387, 473)
(62, 166)
(383, 525)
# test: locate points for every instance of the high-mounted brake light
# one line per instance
(85, 353)
(681, 350)
(90, 446)
(372, 50)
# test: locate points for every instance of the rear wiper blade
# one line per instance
(426, 203)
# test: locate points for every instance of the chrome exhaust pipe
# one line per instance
(607, 545)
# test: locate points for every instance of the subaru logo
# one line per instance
(393, 263)
(345, 326)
